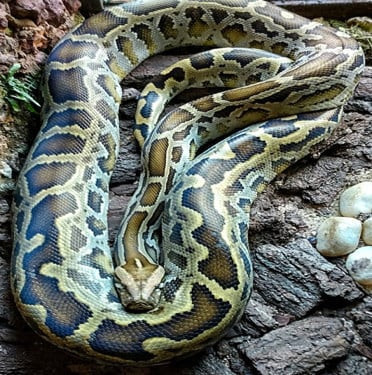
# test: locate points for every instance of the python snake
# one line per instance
(182, 273)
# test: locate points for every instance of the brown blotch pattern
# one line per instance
(170, 180)
(167, 27)
(174, 118)
(107, 164)
(234, 34)
(219, 266)
(144, 33)
(182, 134)
(130, 235)
(157, 157)
(241, 94)
(196, 25)
(176, 154)
(151, 194)
(125, 45)
(205, 104)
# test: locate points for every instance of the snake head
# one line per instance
(139, 284)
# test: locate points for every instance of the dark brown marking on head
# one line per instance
(131, 232)
(157, 157)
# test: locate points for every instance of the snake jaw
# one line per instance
(139, 286)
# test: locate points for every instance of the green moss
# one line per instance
(19, 94)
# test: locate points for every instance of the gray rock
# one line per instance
(303, 347)
(296, 278)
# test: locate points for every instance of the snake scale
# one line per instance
(181, 274)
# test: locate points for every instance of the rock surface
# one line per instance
(306, 315)
(307, 338)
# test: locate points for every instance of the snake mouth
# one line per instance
(139, 306)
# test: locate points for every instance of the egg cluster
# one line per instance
(351, 232)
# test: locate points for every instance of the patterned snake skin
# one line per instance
(181, 274)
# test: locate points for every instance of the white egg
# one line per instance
(359, 265)
(338, 236)
(356, 200)
(367, 231)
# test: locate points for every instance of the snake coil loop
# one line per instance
(181, 290)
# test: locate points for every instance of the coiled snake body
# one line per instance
(181, 290)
